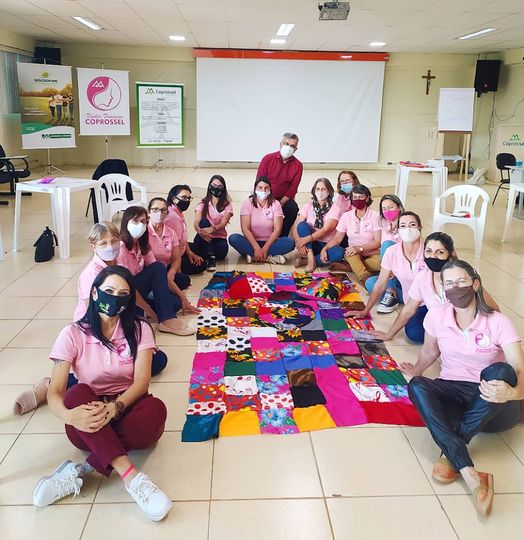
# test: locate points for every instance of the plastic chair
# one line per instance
(504, 161)
(10, 173)
(112, 197)
(466, 198)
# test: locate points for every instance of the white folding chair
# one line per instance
(466, 198)
(111, 195)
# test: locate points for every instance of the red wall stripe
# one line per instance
(292, 55)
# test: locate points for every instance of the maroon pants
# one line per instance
(141, 425)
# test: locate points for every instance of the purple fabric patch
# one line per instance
(333, 314)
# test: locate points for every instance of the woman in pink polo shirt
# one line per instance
(212, 216)
(261, 220)
(402, 261)
(481, 380)
(315, 226)
(110, 411)
(179, 198)
(346, 181)
(362, 228)
(149, 275)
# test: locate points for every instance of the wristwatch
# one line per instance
(119, 409)
(360, 249)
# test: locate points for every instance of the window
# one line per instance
(9, 102)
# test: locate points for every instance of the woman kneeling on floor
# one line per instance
(481, 379)
(110, 411)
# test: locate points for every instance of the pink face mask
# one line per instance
(391, 215)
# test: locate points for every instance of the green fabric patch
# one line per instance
(232, 369)
(388, 376)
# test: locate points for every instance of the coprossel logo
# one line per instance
(104, 93)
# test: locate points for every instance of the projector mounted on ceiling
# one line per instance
(334, 11)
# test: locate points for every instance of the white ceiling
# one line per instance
(405, 25)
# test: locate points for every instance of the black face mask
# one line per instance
(110, 304)
(216, 191)
(435, 265)
(183, 205)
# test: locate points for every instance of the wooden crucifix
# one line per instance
(428, 78)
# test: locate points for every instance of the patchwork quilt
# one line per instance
(288, 359)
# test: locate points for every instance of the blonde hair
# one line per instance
(99, 230)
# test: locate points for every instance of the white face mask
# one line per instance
(136, 230)
(262, 195)
(321, 195)
(286, 151)
(109, 253)
(157, 217)
(409, 235)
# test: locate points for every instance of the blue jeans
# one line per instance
(153, 279)
(415, 326)
(280, 246)
(217, 248)
(336, 253)
(393, 283)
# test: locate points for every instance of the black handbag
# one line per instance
(45, 246)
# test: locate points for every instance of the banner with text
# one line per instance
(47, 107)
(160, 114)
(104, 101)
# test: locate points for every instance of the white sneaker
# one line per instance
(63, 482)
(249, 259)
(276, 259)
(388, 304)
(152, 500)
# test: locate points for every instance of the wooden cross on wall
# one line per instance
(428, 78)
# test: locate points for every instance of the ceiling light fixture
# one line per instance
(177, 38)
(476, 34)
(277, 41)
(285, 29)
(87, 22)
(377, 43)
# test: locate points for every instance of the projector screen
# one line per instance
(244, 107)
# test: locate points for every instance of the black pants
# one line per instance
(188, 267)
(183, 281)
(454, 412)
(217, 248)
(290, 210)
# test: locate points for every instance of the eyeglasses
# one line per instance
(184, 198)
(462, 282)
(105, 243)
(156, 210)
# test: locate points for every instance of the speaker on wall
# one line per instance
(48, 55)
(487, 76)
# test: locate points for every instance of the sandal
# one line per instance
(30, 399)
(443, 471)
(483, 494)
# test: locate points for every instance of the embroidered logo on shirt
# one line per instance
(482, 340)
(124, 353)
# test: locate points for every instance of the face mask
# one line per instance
(359, 204)
(157, 217)
(109, 304)
(109, 253)
(262, 195)
(183, 205)
(435, 265)
(391, 215)
(346, 188)
(409, 235)
(286, 151)
(461, 297)
(136, 230)
(216, 191)
(321, 195)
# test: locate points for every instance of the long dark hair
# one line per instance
(223, 200)
(444, 239)
(129, 241)
(174, 191)
(482, 306)
(270, 200)
(130, 322)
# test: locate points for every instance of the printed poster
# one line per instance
(47, 106)
(104, 101)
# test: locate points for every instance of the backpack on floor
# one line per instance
(45, 246)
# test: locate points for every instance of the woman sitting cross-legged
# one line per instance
(315, 226)
(110, 411)
(212, 215)
(261, 220)
(481, 379)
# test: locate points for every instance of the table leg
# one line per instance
(66, 225)
(403, 184)
(512, 196)
(56, 211)
(18, 202)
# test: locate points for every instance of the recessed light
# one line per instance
(177, 38)
(87, 22)
(285, 29)
(377, 43)
(277, 41)
(476, 34)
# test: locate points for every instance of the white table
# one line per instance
(512, 197)
(516, 176)
(59, 190)
(439, 180)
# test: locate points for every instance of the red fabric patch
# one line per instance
(392, 413)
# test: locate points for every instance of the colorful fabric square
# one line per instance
(400, 414)
(211, 317)
(313, 418)
(241, 385)
(201, 428)
(212, 375)
(232, 369)
(342, 342)
(315, 324)
(260, 343)
(290, 336)
(396, 392)
(289, 349)
(359, 324)
(314, 335)
(365, 392)
(359, 376)
(237, 322)
(272, 384)
(277, 401)
(237, 342)
(334, 325)
(350, 297)
(205, 392)
(349, 361)
(322, 361)
(248, 286)
(307, 396)
(277, 421)
(244, 355)
(333, 314)
(265, 332)
(209, 360)
(302, 279)
(371, 348)
(318, 347)
(363, 336)
(207, 407)
(239, 423)
(293, 363)
(327, 289)
(211, 302)
(266, 355)
(270, 368)
(392, 376)
(211, 332)
(379, 362)
(243, 403)
(211, 345)
(302, 377)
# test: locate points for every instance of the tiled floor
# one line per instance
(356, 483)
